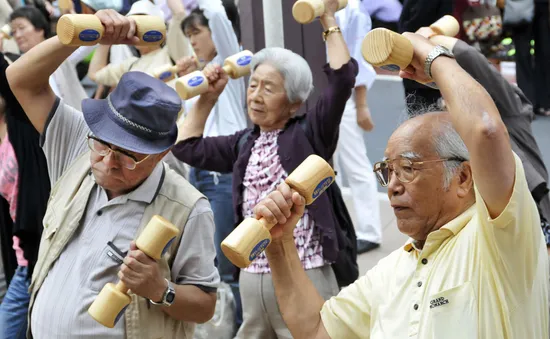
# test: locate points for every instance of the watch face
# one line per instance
(170, 297)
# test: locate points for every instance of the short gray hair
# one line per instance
(446, 141)
(293, 68)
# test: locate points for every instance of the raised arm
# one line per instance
(481, 70)
(341, 71)
(476, 119)
(177, 43)
(212, 153)
(223, 36)
(36, 96)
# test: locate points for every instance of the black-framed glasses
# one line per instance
(102, 148)
(405, 169)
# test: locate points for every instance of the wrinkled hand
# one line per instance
(141, 274)
(217, 79)
(331, 7)
(422, 47)
(186, 65)
(283, 207)
(364, 119)
(119, 30)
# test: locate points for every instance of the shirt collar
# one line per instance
(452, 228)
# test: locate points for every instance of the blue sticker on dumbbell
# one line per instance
(165, 75)
(321, 187)
(391, 68)
(120, 314)
(259, 248)
(88, 35)
(168, 246)
(195, 81)
(244, 60)
(152, 36)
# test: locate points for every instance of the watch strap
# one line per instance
(169, 290)
(329, 31)
(434, 54)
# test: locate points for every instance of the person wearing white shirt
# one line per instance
(214, 37)
(351, 152)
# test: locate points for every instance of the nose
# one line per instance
(395, 187)
(254, 94)
(110, 160)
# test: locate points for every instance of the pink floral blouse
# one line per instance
(263, 173)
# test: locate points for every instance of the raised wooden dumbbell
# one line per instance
(305, 11)
(252, 236)
(155, 240)
(195, 83)
(5, 32)
(65, 5)
(169, 72)
(392, 51)
(87, 30)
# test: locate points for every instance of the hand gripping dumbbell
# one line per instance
(195, 83)
(252, 236)
(169, 72)
(305, 11)
(391, 51)
(155, 240)
(5, 32)
(87, 30)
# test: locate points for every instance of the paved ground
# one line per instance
(386, 100)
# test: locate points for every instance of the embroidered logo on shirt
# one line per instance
(438, 302)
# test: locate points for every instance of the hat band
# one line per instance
(130, 122)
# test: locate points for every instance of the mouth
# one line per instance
(399, 209)
(257, 111)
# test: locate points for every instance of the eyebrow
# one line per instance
(406, 155)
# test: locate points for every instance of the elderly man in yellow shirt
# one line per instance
(475, 266)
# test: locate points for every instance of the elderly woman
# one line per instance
(262, 157)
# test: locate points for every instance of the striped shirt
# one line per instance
(263, 174)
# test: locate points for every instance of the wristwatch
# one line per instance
(329, 31)
(436, 52)
(168, 297)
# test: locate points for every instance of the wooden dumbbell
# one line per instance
(195, 83)
(155, 240)
(392, 51)
(5, 32)
(305, 11)
(169, 72)
(65, 5)
(87, 30)
(252, 236)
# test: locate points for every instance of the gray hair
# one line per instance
(446, 141)
(293, 68)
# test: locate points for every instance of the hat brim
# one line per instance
(101, 123)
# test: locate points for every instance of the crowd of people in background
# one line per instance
(229, 148)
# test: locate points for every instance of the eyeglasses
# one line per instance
(404, 169)
(104, 149)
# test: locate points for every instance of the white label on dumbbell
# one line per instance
(244, 60)
(321, 187)
(259, 248)
(195, 81)
(88, 35)
(152, 36)
(391, 68)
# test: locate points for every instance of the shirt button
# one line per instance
(419, 284)
(424, 261)
(415, 307)
(99, 213)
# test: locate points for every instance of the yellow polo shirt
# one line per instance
(476, 278)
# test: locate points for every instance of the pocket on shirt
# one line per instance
(453, 313)
(105, 268)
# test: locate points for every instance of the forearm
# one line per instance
(299, 302)
(176, 7)
(361, 96)
(192, 304)
(99, 61)
(31, 72)
(194, 122)
(338, 52)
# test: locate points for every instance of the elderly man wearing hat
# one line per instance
(108, 181)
